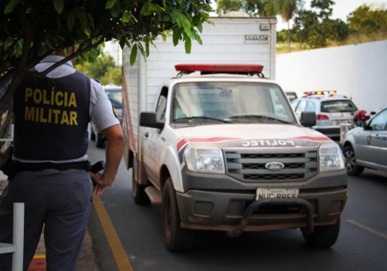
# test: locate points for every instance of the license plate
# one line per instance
(346, 122)
(277, 193)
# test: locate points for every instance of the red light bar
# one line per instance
(206, 68)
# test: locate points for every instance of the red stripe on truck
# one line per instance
(184, 141)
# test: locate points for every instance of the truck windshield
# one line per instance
(234, 102)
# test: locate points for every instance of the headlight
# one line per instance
(331, 158)
(204, 159)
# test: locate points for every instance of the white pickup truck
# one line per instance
(223, 151)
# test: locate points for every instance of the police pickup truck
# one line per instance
(224, 151)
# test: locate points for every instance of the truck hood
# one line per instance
(251, 135)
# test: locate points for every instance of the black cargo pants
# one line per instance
(57, 202)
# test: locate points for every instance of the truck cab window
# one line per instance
(161, 108)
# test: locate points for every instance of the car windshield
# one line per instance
(230, 102)
(338, 106)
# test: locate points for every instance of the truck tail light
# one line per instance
(322, 117)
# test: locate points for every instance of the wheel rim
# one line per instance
(350, 159)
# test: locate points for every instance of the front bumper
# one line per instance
(232, 206)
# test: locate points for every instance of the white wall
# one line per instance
(358, 71)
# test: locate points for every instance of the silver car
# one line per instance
(331, 110)
(114, 94)
(366, 147)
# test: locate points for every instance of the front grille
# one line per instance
(249, 167)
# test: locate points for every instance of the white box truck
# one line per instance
(219, 147)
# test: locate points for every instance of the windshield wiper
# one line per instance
(255, 117)
(188, 119)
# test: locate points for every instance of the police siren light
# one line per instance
(329, 93)
(220, 68)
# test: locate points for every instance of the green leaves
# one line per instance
(11, 6)
(110, 4)
(78, 17)
(58, 4)
(185, 29)
(188, 45)
(182, 21)
(150, 8)
(31, 29)
(133, 54)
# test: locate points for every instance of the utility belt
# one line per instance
(16, 167)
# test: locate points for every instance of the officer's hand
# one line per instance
(98, 189)
(5, 156)
(99, 185)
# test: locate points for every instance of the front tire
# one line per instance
(323, 236)
(176, 239)
(350, 161)
(138, 191)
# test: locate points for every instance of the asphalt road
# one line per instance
(129, 237)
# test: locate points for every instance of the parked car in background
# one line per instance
(114, 94)
(366, 147)
(332, 110)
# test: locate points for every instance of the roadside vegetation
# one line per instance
(311, 28)
(103, 68)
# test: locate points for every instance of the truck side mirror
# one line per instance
(149, 119)
(308, 119)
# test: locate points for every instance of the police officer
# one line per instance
(50, 167)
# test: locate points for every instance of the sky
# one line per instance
(341, 9)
